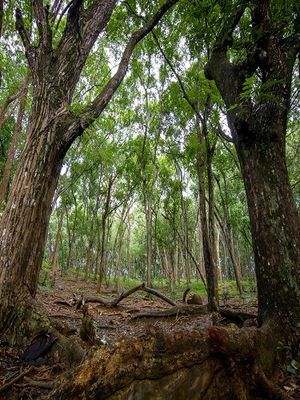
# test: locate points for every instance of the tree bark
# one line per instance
(54, 253)
(102, 255)
(51, 130)
(208, 252)
(259, 129)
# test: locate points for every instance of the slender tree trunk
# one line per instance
(71, 235)
(102, 258)
(176, 260)
(121, 232)
(209, 261)
(128, 254)
(149, 238)
(54, 253)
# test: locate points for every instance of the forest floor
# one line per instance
(34, 381)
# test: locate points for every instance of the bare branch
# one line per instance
(55, 9)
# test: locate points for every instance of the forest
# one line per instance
(149, 199)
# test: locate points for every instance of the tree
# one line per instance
(55, 65)
(257, 92)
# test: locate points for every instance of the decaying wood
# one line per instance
(115, 302)
(64, 316)
(63, 303)
(15, 379)
(186, 310)
(215, 363)
(236, 316)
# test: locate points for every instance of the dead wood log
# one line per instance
(63, 303)
(215, 363)
(186, 310)
(236, 316)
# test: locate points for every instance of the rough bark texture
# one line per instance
(259, 128)
(51, 130)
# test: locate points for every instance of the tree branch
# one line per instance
(100, 102)
(29, 49)
(42, 21)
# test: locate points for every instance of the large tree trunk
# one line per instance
(275, 226)
(25, 220)
(258, 125)
(52, 129)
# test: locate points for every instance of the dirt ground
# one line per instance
(21, 381)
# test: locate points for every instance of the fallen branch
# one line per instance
(64, 316)
(127, 293)
(174, 312)
(15, 379)
(40, 384)
(237, 316)
(159, 295)
(115, 302)
(63, 303)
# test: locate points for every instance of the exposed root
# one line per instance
(219, 363)
(268, 388)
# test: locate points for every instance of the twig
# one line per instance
(15, 379)
(40, 384)
(63, 303)
(64, 316)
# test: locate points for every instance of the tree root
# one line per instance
(212, 364)
(268, 388)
